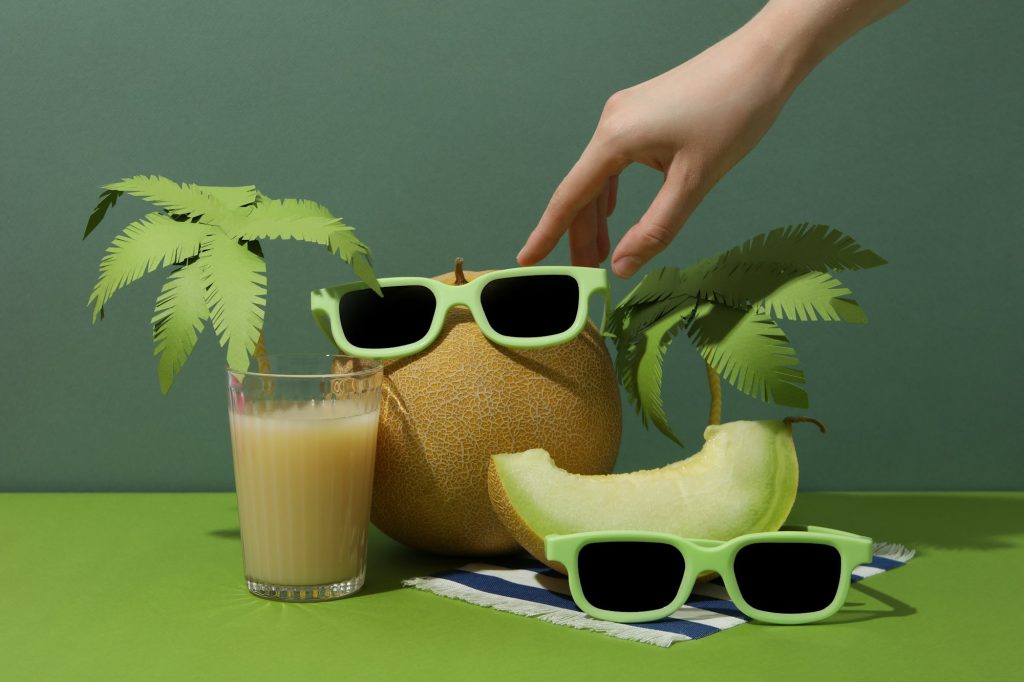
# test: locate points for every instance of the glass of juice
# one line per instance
(303, 438)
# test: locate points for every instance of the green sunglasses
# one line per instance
(531, 307)
(799, 574)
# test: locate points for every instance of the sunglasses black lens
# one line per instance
(788, 577)
(531, 306)
(630, 576)
(401, 316)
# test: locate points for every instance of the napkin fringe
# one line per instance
(890, 550)
(580, 621)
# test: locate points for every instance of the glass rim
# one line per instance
(375, 366)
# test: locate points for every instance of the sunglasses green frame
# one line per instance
(324, 304)
(701, 556)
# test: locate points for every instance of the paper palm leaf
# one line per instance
(310, 222)
(107, 200)
(181, 310)
(148, 243)
(195, 201)
(235, 294)
(750, 351)
(287, 219)
(787, 292)
(804, 246)
(656, 285)
(726, 304)
(232, 197)
(649, 369)
(811, 296)
(641, 317)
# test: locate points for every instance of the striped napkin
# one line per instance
(529, 588)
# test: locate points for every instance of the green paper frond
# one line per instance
(788, 292)
(148, 243)
(184, 199)
(232, 197)
(804, 246)
(649, 370)
(813, 296)
(749, 351)
(297, 219)
(307, 221)
(642, 317)
(181, 310)
(235, 294)
(726, 305)
(108, 198)
(350, 249)
(212, 233)
(656, 285)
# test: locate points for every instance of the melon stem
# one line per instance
(715, 385)
(804, 420)
(460, 276)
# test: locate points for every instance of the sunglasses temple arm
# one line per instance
(606, 315)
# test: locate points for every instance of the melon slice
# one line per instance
(743, 480)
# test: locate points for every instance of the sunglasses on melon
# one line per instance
(532, 307)
(787, 577)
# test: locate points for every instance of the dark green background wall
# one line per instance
(440, 129)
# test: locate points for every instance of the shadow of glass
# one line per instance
(226, 534)
(919, 520)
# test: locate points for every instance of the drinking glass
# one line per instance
(303, 438)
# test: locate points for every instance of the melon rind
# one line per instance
(743, 480)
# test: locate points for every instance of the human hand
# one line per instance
(693, 123)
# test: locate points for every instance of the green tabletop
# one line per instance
(149, 587)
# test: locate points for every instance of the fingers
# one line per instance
(674, 203)
(613, 194)
(583, 236)
(603, 245)
(579, 188)
(588, 234)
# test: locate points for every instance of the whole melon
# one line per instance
(445, 411)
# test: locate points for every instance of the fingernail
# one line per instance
(626, 266)
(519, 256)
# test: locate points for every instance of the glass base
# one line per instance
(305, 593)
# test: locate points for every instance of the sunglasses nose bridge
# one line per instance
(464, 296)
(715, 559)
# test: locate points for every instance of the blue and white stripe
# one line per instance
(528, 587)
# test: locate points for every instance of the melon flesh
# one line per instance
(743, 480)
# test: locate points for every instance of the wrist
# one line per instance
(777, 65)
(800, 34)
(791, 53)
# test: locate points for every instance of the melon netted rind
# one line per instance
(446, 411)
(743, 480)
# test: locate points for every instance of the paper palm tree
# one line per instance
(728, 306)
(210, 236)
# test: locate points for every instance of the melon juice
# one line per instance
(303, 440)
(304, 474)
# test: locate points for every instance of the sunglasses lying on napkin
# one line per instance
(799, 574)
(526, 587)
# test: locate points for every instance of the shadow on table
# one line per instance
(937, 520)
(895, 607)
(850, 614)
(388, 562)
(226, 533)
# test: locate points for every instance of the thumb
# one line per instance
(675, 201)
